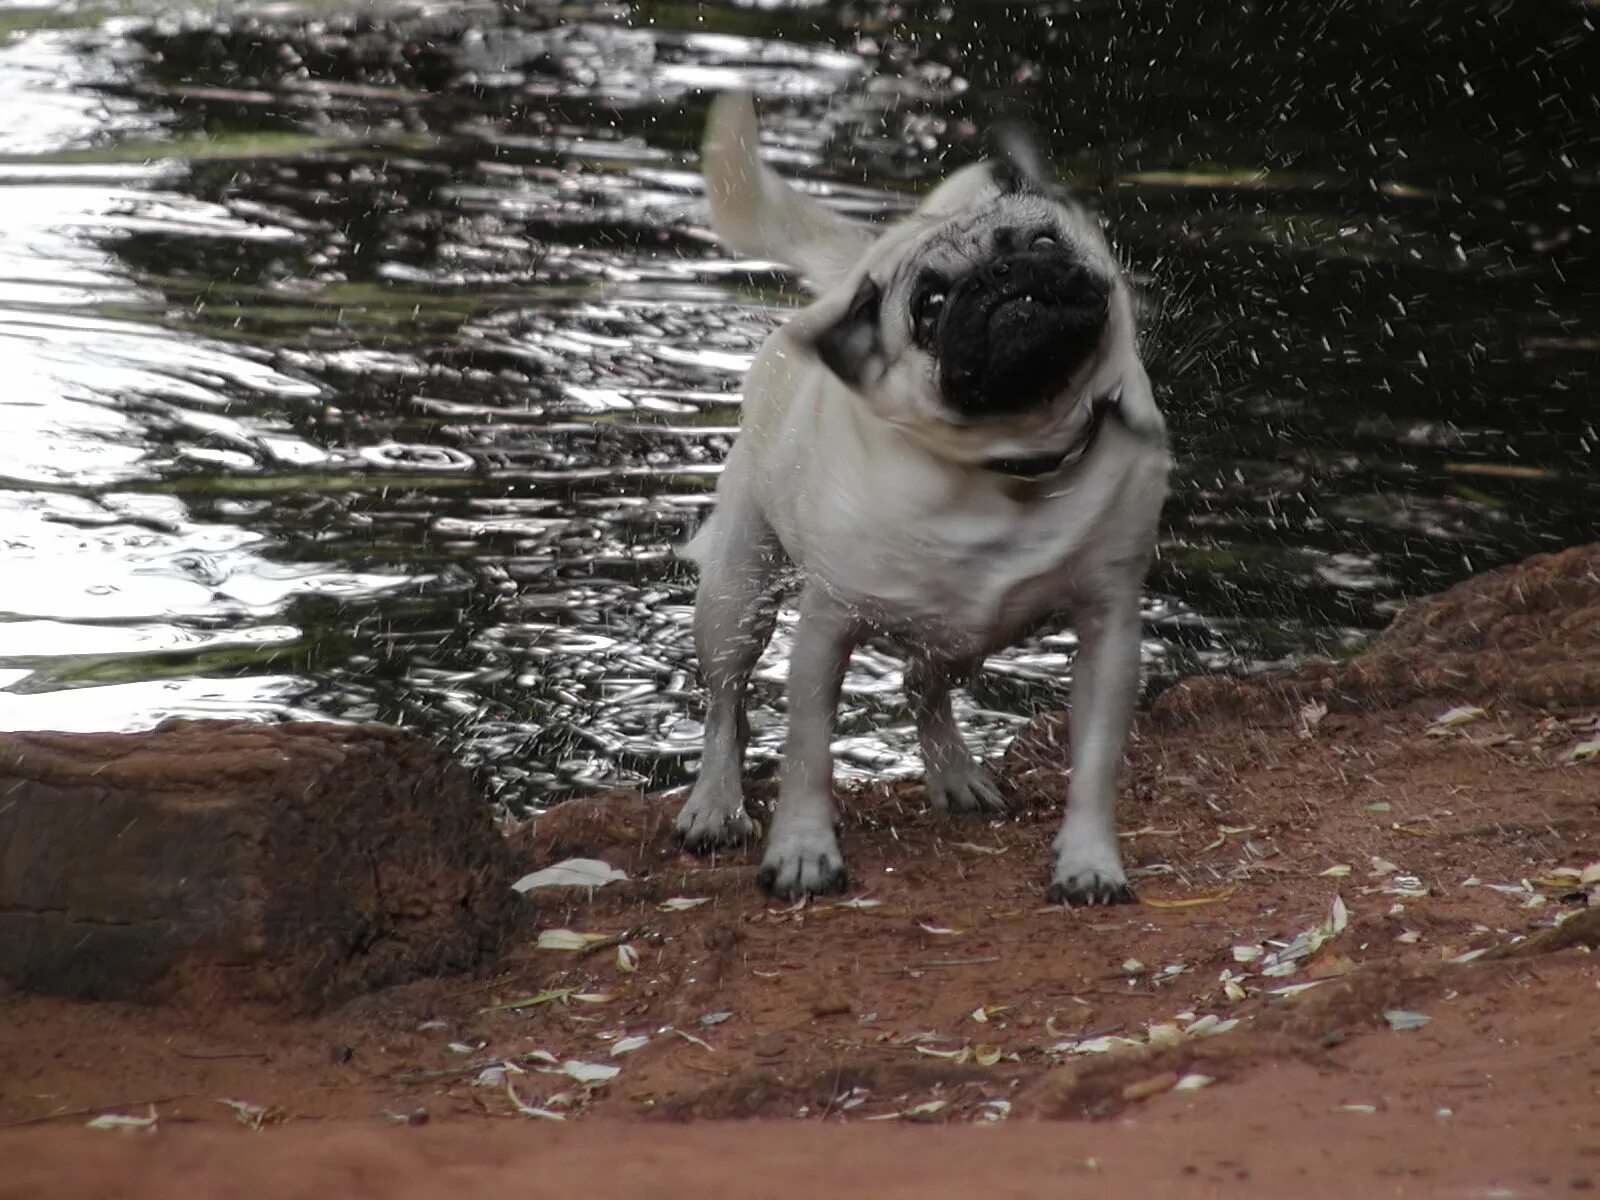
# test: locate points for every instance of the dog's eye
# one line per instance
(929, 304)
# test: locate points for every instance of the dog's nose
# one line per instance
(1046, 276)
(1017, 329)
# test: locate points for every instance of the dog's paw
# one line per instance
(964, 786)
(706, 823)
(1082, 881)
(802, 863)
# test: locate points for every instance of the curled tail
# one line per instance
(757, 213)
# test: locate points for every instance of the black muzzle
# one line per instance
(1014, 331)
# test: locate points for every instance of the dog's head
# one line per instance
(995, 307)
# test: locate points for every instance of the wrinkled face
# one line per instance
(986, 318)
(1005, 307)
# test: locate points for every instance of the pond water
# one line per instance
(370, 364)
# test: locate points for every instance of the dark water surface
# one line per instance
(372, 365)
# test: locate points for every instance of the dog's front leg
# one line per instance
(733, 617)
(1088, 860)
(803, 851)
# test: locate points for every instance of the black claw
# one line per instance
(695, 843)
(1099, 894)
(832, 881)
(703, 842)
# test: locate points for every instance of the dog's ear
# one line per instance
(1017, 159)
(851, 347)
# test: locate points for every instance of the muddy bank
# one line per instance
(1315, 981)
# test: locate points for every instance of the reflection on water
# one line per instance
(372, 366)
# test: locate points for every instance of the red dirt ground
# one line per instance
(1246, 815)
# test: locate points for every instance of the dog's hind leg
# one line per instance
(803, 851)
(954, 780)
(1088, 860)
(733, 616)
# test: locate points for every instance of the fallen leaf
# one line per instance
(1163, 1034)
(1211, 1025)
(985, 1055)
(1294, 989)
(683, 903)
(957, 1056)
(1459, 715)
(1096, 1045)
(859, 902)
(588, 1072)
(938, 930)
(1584, 751)
(567, 939)
(628, 1045)
(1400, 1019)
(701, 1042)
(120, 1121)
(594, 997)
(1339, 917)
(528, 1110)
(1335, 872)
(574, 872)
(1153, 1086)
(627, 959)
(1190, 901)
(1193, 1083)
(550, 997)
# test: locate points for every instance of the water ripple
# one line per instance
(375, 364)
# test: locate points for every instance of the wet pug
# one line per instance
(954, 442)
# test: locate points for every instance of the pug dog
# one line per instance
(953, 443)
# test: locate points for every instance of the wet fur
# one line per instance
(850, 467)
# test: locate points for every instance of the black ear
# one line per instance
(851, 347)
(1018, 161)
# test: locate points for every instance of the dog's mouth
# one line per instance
(1011, 334)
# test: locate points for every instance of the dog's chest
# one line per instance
(964, 575)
